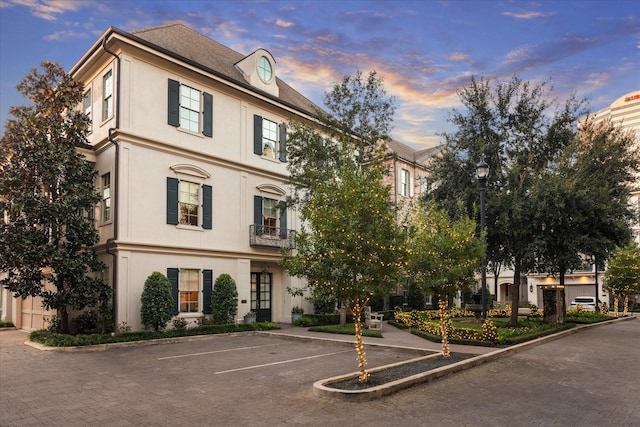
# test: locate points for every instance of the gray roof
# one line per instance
(412, 155)
(184, 43)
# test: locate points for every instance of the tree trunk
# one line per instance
(64, 320)
(343, 316)
(515, 292)
(356, 311)
(562, 305)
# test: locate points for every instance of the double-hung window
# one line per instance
(190, 108)
(189, 203)
(270, 214)
(86, 107)
(269, 217)
(107, 95)
(269, 139)
(105, 203)
(191, 293)
(189, 289)
(404, 182)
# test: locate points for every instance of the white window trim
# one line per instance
(190, 314)
(102, 200)
(200, 110)
(105, 97)
(276, 141)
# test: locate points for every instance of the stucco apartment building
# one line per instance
(188, 137)
(624, 111)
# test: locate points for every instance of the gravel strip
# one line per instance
(400, 371)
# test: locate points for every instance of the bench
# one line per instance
(372, 320)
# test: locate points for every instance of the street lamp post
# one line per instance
(482, 170)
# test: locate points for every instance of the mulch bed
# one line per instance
(400, 371)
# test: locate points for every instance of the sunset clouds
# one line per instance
(426, 51)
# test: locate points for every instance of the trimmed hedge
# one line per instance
(54, 339)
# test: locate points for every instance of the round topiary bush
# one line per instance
(224, 300)
(157, 302)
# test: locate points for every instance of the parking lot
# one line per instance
(587, 378)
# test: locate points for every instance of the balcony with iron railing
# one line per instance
(271, 237)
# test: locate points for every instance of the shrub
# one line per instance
(157, 302)
(87, 322)
(224, 300)
(324, 302)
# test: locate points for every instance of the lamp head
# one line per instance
(482, 170)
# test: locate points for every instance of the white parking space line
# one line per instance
(216, 351)
(281, 362)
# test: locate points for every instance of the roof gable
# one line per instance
(208, 54)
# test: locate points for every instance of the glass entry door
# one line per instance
(261, 296)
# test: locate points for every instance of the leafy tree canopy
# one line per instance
(350, 243)
(623, 272)
(443, 253)
(520, 130)
(48, 190)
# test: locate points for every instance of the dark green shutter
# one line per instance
(172, 275)
(207, 286)
(282, 143)
(174, 103)
(207, 207)
(172, 200)
(207, 115)
(257, 135)
(283, 223)
(257, 214)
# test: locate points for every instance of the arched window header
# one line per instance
(190, 170)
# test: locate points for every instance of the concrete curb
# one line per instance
(128, 344)
(322, 388)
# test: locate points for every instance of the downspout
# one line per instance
(395, 179)
(112, 240)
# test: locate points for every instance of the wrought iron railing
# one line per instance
(273, 237)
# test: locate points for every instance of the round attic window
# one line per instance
(264, 69)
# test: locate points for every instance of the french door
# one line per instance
(261, 296)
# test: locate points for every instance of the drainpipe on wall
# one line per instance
(112, 240)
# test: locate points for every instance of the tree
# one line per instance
(350, 244)
(49, 195)
(520, 132)
(623, 273)
(581, 201)
(157, 302)
(443, 254)
(224, 300)
(353, 245)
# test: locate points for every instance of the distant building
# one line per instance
(625, 111)
(408, 174)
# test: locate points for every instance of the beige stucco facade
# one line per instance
(139, 155)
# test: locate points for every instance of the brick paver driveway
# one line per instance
(590, 378)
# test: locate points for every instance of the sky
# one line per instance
(426, 51)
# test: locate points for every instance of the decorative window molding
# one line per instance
(271, 189)
(191, 170)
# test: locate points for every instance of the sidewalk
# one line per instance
(392, 337)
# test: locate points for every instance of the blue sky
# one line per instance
(425, 50)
